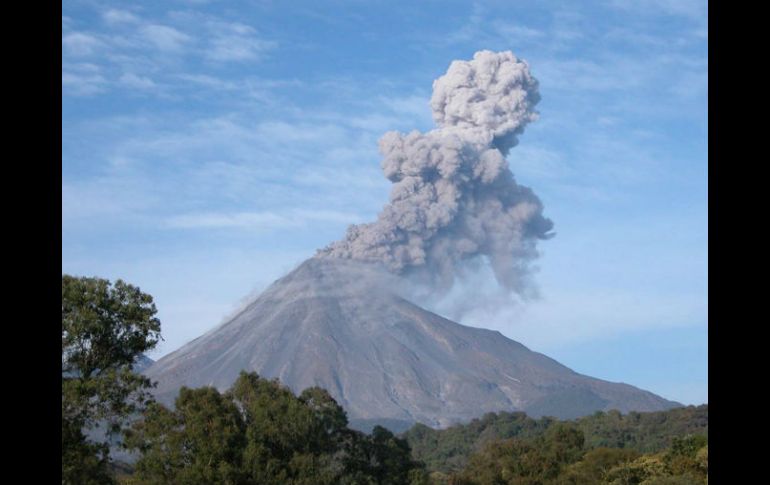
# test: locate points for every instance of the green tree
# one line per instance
(105, 328)
(688, 457)
(329, 416)
(391, 460)
(504, 462)
(519, 461)
(83, 462)
(448, 450)
(564, 443)
(284, 435)
(200, 442)
(595, 465)
(259, 432)
(642, 470)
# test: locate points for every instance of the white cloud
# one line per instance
(207, 81)
(167, 39)
(259, 220)
(115, 16)
(107, 199)
(219, 220)
(82, 79)
(80, 45)
(517, 33)
(234, 42)
(133, 81)
(145, 54)
(693, 9)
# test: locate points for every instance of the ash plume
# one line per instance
(454, 199)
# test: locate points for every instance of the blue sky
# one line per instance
(208, 147)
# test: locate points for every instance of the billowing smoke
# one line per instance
(454, 199)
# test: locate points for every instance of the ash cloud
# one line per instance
(454, 199)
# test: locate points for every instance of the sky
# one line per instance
(208, 147)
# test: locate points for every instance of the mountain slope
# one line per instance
(334, 324)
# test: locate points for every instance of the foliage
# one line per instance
(525, 462)
(684, 463)
(259, 432)
(449, 449)
(105, 328)
(595, 465)
(668, 447)
(83, 462)
(558, 458)
(643, 432)
(200, 442)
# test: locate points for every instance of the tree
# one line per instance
(595, 465)
(564, 443)
(259, 432)
(199, 442)
(636, 472)
(688, 456)
(329, 416)
(520, 461)
(502, 462)
(282, 432)
(105, 327)
(390, 459)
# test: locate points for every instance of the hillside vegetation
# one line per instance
(259, 432)
(449, 449)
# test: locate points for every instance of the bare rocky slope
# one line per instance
(333, 324)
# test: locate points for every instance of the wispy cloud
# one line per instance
(517, 33)
(115, 16)
(692, 9)
(82, 79)
(260, 220)
(79, 44)
(142, 53)
(235, 42)
(209, 81)
(109, 199)
(223, 160)
(165, 38)
(140, 83)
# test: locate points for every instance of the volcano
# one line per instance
(339, 325)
